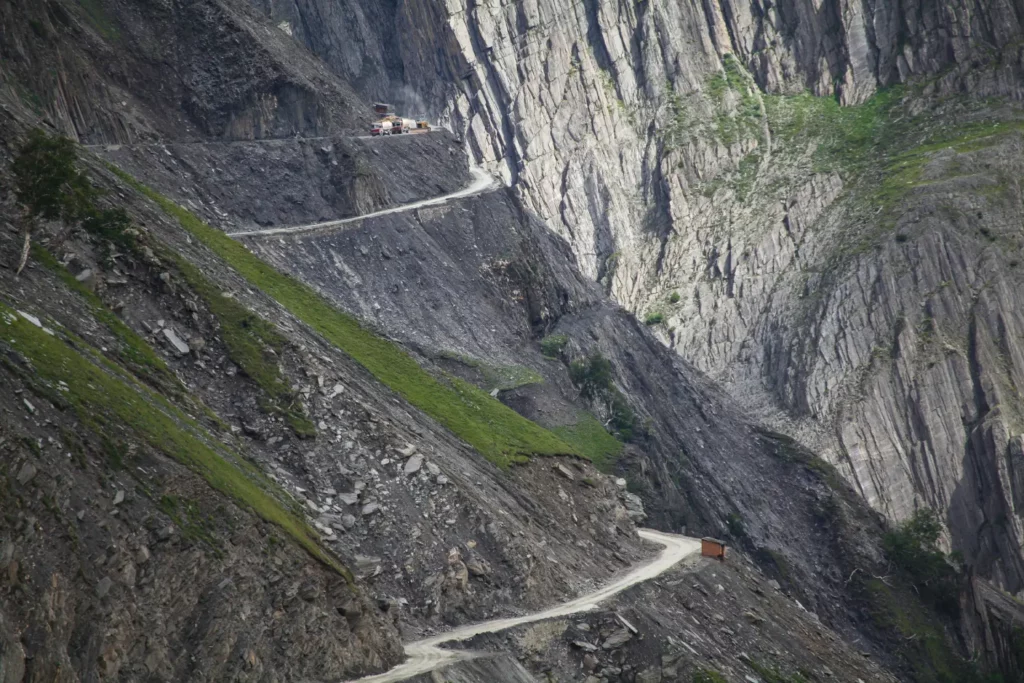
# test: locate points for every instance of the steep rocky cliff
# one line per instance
(848, 272)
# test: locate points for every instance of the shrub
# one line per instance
(914, 548)
(674, 298)
(735, 525)
(553, 345)
(654, 319)
(708, 676)
(49, 186)
(110, 224)
(593, 376)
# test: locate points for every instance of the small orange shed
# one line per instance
(712, 547)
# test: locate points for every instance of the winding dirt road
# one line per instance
(424, 656)
(482, 182)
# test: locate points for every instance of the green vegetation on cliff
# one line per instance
(253, 344)
(593, 376)
(132, 351)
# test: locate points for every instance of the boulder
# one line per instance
(27, 473)
(565, 472)
(617, 639)
(103, 587)
(413, 464)
(478, 567)
(176, 342)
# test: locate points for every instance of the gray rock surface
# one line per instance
(612, 124)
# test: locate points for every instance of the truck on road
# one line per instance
(392, 124)
(381, 128)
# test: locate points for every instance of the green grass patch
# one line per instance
(591, 439)
(507, 377)
(496, 431)
(500, 377)
(878, 141)
(105, 398)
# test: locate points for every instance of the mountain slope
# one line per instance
(789, 245)
(367, 384)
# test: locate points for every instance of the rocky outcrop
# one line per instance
(993, 626)
(124, 553)
(484, 280)
(634, 134)
(646, 135)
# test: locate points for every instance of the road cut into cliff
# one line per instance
(482, 182)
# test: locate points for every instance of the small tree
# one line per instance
(49, 185)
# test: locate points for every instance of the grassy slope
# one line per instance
(499, 433)
(589, 436)
(105, 397)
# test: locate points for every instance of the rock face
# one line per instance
(647, 135)
(113, 74)
(613, 124)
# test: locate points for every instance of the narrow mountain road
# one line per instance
(482, 182)
(115, 146)
(424, 656)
